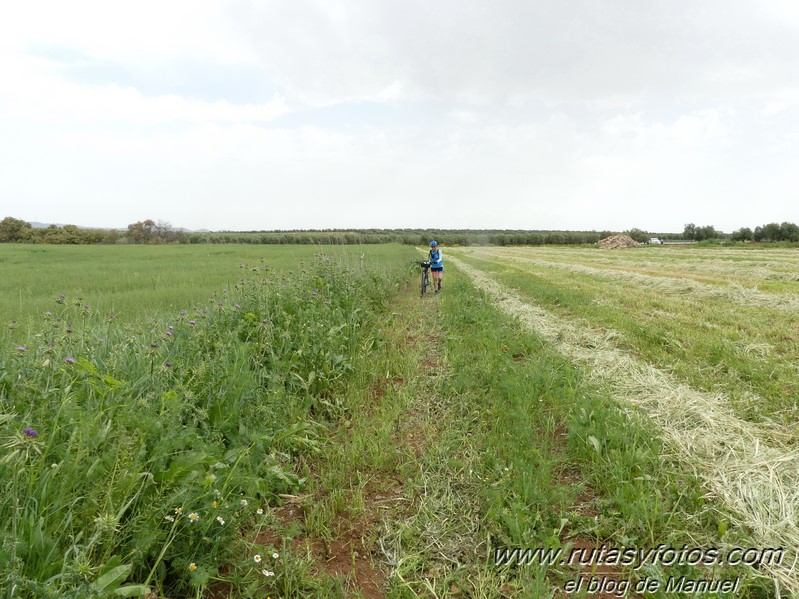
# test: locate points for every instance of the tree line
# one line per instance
(13, 230)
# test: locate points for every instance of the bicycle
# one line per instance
(425, 280)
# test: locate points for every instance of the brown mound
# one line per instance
(615, 242)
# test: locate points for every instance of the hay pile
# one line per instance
(615, 242)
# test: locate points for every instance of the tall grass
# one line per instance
(143, 281)
(132, 453)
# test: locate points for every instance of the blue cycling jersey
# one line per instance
(436, 258)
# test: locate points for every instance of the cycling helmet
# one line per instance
(433, 244)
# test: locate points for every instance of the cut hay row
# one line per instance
(750, 469)
(788, 259)
(752, 271)
(783, 302)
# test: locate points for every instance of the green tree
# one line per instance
(14, 230)
(141, 232)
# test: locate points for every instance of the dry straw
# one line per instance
(753, 470)
(783, 302)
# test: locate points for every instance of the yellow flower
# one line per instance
(259, 511)
(214, 503)
(194, 516)
(257, 558)
(192, 567)
(178, 510)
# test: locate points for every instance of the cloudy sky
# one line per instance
(532, 114)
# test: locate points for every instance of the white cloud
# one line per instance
(467, 113)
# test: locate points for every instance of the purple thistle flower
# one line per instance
(30, 432)
(170, 327)
(61, 296)
(183, 312)
(167, 364)
(153, 346)
(70, 360)
(21, 348)
(192, 322)
(168, 333)
(237, 306)
(69, 331)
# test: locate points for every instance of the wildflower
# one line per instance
(170, 327)
(168, 333)
(275, 555)
(214, 503)
(70, 360)
(505, 349)
(169, 518)
(22, 349)
(86, 307)
(259, 511)
(192, 567)
(194, 516)
(237, 306)
(68, 331)
(183, 312)
(153, 346)
(178, 510)
(244, 503)
(217, 493)
(60, 299)
(257, 558)
(267, 573)
(221, 520)
(31, 432)
(192, 322)
(167, 364)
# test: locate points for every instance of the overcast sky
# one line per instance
(531, 114)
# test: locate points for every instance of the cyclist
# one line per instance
(436, 265)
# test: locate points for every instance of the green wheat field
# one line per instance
(296, 421)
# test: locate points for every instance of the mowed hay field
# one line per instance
(703, 341)
(295, 421)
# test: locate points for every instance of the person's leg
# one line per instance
(440, 278)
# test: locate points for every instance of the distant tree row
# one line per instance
(14, 230)
(151, 232)
(771, 232)
(403, 236)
